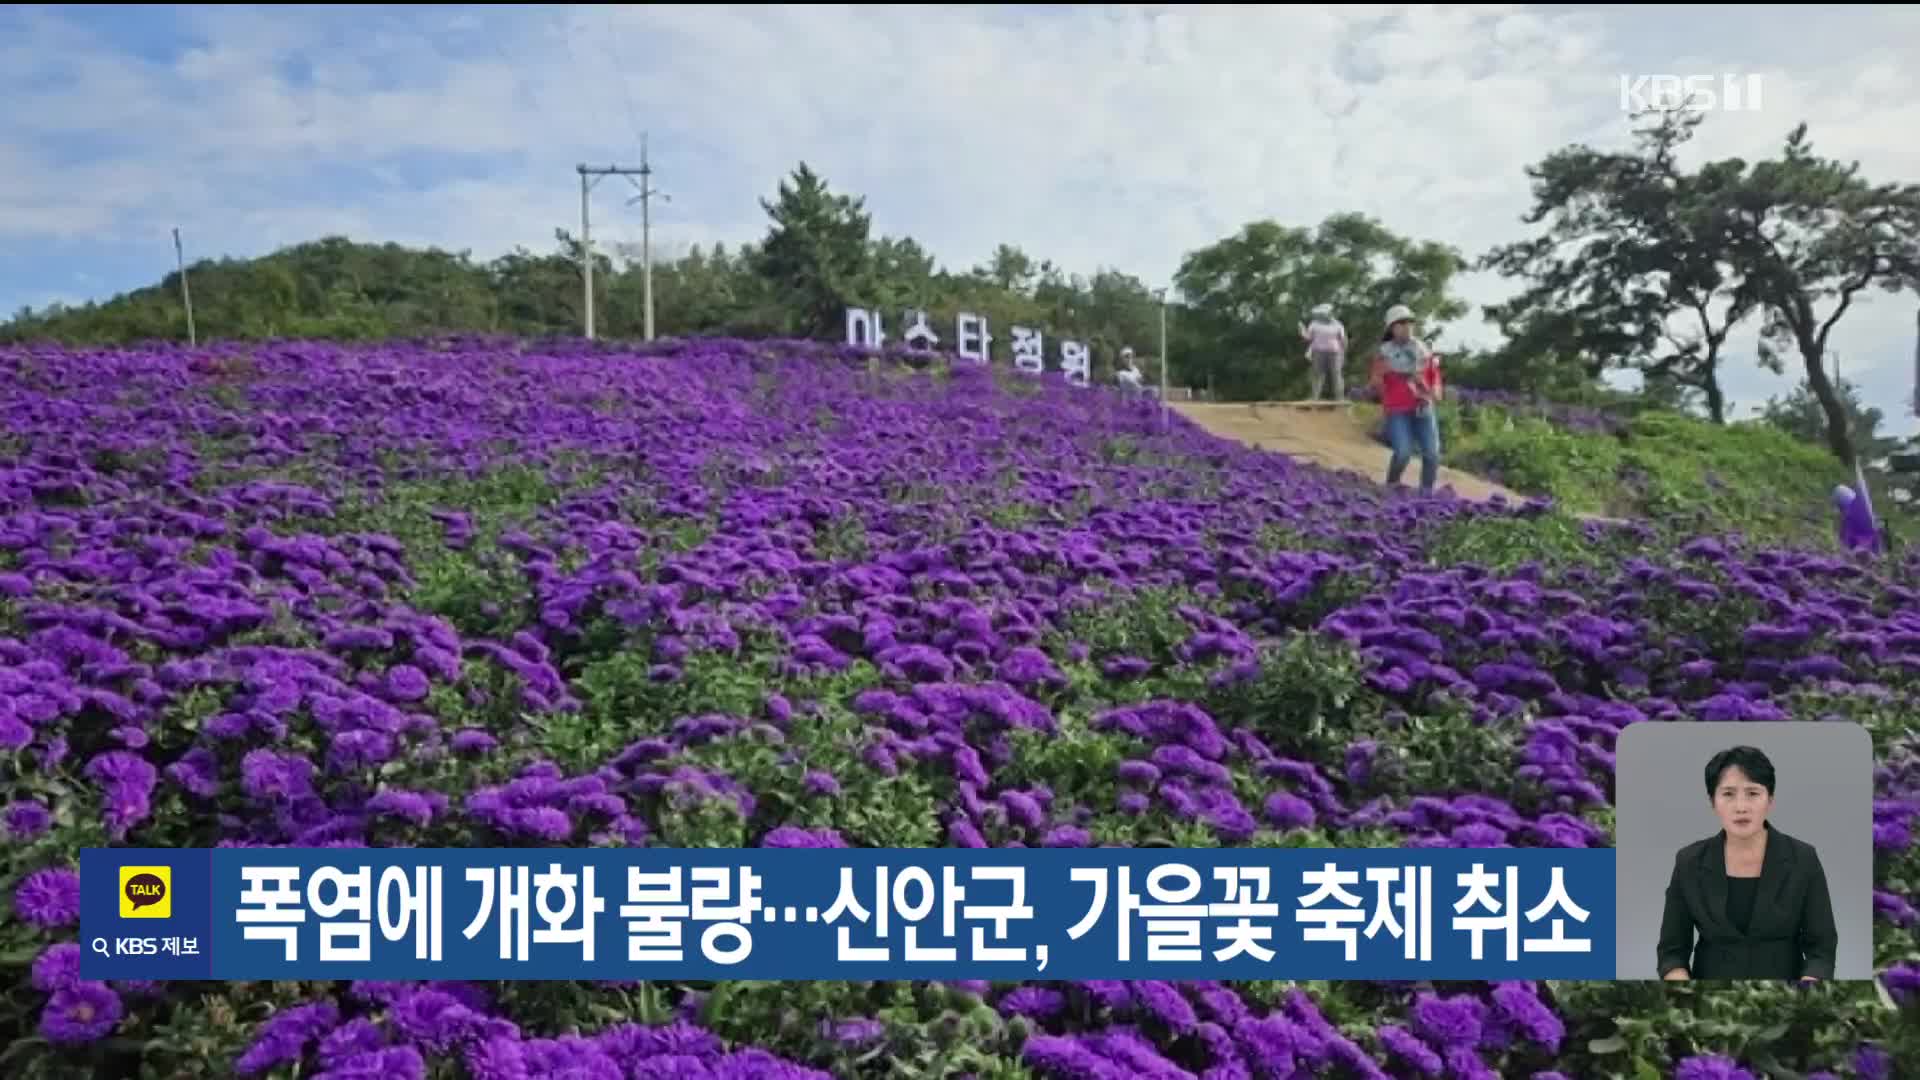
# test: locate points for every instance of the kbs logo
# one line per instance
(146, 892)
(1726, 93)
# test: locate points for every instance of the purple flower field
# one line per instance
(738, 594)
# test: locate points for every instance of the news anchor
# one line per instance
(1756, 897)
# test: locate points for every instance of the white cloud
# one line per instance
(1121, 135)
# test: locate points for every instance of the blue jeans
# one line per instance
(1404, 432)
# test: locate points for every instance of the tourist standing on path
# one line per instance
(1407, 376)
(1326, 342)
(1128, 374)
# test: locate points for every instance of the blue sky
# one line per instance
(1096, 136)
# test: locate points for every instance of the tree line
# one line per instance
(1636, 264)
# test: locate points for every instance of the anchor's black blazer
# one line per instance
(1790, 936)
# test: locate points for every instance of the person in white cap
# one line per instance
(1407, 374)
(1326, 342)
(1128, 374)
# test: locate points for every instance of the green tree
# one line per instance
(1801, 414)
(1012, 269)
(815, 257)
(1546, 352)
(1246, 295)
(1633, 270)
(899, 274)
(1808, 231)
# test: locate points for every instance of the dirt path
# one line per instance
(1327, 435)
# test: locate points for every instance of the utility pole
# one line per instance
(645, 198)
(186, 295)
(1163, 345)
(596, 173)
(586, 255)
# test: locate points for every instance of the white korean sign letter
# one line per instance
(972, 340)
(865, 328)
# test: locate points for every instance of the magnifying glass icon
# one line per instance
(100, 946)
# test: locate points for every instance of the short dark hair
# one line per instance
(1748, 760)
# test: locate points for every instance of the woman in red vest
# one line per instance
(1407, 375)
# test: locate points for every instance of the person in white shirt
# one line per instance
(1128, 374)
(1326, 342)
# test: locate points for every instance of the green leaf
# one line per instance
(1612, 1044)
(1770, 1034)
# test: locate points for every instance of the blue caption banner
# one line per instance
(847, 913)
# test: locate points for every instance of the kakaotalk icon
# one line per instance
(146, 892)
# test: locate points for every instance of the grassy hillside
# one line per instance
(1678, 473)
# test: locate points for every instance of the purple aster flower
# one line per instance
(1519, 1005)
(1359, 763)
(1067, 836)
(1286, 810)
(1402, 1044)
(1479, 834)
(360, 749)
(1895, 908)
(963, 834)
(81, 1013)
(409, 805)
(1036, 1002)
(1274, 1043)
(407, 683)
(541, 822)
(285, 1036)
(791, 836)
(1467, 1065)
(1060, 1056)
(1221, 1002)
(1450, 1021)
(1872, 1063)
(821, 783)
(497, 1059)
(27, 819)
(1162, 1000)
(628, 1043)
(49, 898)
(126, 781)
(473, 741)
(1710, 1067)
(1124, 1044)
(779, 710)
(1023, 810)
(197, 771)
(57, 966)
(15, 733)
(1902, 982)
(391, 1063)
(270, 776)
(856, 1032)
